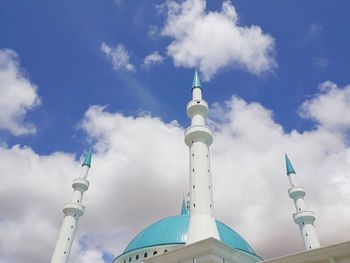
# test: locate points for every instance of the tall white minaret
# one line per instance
(198, 137)
(72, 211)
(303, 217)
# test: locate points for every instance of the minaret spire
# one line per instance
(72, 211)
(184, 207)
(303, 217)
(198, 137)
(196, 81)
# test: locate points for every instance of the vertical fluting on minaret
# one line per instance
(72, 211)
(198, 137)
(303, 217)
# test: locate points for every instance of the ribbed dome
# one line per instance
(173, 230)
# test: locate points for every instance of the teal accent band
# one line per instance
(87, 160)
(289, 166)
(196, 82)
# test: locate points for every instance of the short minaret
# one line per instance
(198, 137)
(72, 211)
(303, 218)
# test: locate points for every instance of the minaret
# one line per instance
(303, 217)
(184, 210)
(72, 211)
(198, 137)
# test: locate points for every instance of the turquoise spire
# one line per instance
(87, 160)
(196, 82)
(289, 166)
(183, 207)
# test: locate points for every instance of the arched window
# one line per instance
(155, 253)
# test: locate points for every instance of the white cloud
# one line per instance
(320, 62)
(119, 3)
(214, 40)
(315, 30)
(153, 32)
(91, 256)
(330, 107)
(152, 59)
(118, 56)
(17, 95)
(137, 160)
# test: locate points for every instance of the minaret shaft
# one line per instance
(72, 211)
(198, 138)
(303, 217)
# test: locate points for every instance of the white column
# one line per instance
(72, 211)
(198, 138)
(303, 217)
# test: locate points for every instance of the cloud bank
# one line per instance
(140, 170)
(213, 40)
(18, 95)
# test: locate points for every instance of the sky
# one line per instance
(116, 75)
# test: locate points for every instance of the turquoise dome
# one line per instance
(173, 231)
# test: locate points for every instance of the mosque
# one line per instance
(194, 236)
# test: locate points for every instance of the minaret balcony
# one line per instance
(304, 217)
(80, 184)
(296, 192)
(73, 209)
(198, 132)
(197, 106)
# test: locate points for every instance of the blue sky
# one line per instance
(58, 44)
(115, 74)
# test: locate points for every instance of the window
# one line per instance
(155, 253)
(71, 226)
(194, 187)
(129, 259)
(193, 170)
(65, 252)
(165, 251)
(192, 154)
(137, 256)
(306, 234)
(194, 205)
(145, 255)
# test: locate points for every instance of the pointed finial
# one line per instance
(184, 210)
(87, 160)
(196, 82)
(289, 166)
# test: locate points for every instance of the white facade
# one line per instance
(198, 137)
(72, 211)
(213, 251)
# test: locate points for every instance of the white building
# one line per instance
(194, 236)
